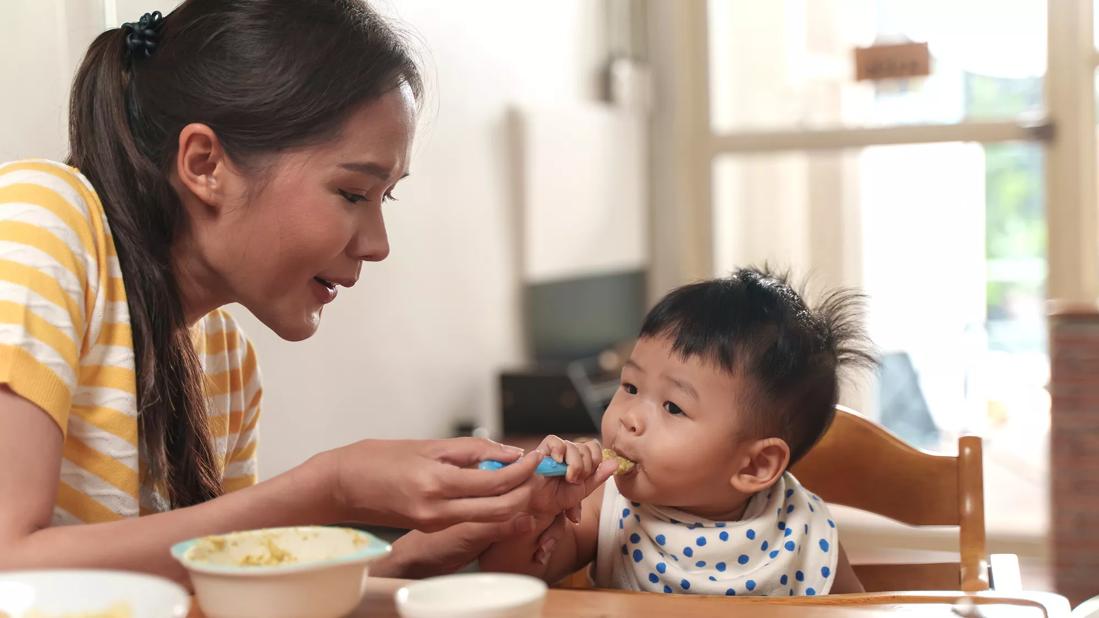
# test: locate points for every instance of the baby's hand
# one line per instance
(586, 471)
(582, 458)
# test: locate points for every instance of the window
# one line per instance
(932, 194)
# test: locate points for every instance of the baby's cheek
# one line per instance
(667, 472)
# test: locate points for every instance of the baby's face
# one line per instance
(678, 419)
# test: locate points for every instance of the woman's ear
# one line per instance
(202, 166)
(765, 461)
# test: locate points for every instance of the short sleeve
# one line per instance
(241, 465)
(47, 250)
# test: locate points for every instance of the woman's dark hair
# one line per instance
(266, 76)
(754, 324)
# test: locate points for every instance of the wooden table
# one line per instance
(378, 603)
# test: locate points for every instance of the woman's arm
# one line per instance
(30, 464)
(412, 484)
(425, 554)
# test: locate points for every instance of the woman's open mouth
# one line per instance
(323, 289)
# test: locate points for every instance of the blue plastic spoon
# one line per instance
(547, 467)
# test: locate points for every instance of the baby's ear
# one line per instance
(764, 461)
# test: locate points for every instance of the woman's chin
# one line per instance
(294, 328)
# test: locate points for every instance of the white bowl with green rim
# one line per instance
(316, 571)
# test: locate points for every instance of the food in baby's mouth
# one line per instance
(624, 465)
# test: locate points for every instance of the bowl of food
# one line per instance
(314, 571)
(81, 593)
(473, 595)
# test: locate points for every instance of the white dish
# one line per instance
(314, 571)
(111, 594)
(473, 595)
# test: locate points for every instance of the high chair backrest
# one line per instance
(860, 464)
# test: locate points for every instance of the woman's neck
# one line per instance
(197, 283)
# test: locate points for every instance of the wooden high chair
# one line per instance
(860, 464)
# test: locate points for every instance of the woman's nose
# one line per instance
(371, 243)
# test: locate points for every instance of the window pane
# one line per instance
(786, 64)
(948, 241)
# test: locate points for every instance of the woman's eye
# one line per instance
(629, 388)
(389, 197)
(672, 408)
(354, 198)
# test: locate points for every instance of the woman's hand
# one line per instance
(422, 554)
(429, 484)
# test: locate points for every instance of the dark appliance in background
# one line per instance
(580, 331)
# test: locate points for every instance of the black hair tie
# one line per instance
(142, 36)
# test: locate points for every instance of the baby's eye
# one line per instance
(672, 408)
(629, 388)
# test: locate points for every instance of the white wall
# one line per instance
(416, 344)
(41, 44)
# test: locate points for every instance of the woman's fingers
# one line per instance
(473, 483)
(458, 492)
(486, 509)
(464, 452)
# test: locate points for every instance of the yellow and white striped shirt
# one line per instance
(66, 346)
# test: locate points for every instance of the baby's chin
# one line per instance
(640, 489)
(635, 489)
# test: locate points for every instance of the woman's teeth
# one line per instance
(326, 283)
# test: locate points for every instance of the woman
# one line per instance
(229, 152)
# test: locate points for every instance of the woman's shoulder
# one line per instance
(17, 165)
(40, 171)
(6, 166)
(39, 180)
(222, 321)
(224, 336)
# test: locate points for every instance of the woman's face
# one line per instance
(303, 226)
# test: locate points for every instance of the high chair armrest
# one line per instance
(1003, 573)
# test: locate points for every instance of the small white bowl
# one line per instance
(315, 571)
(473, 595)
(70, 591)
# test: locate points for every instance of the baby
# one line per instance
(731, 382)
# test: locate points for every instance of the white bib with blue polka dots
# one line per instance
(784, 545)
